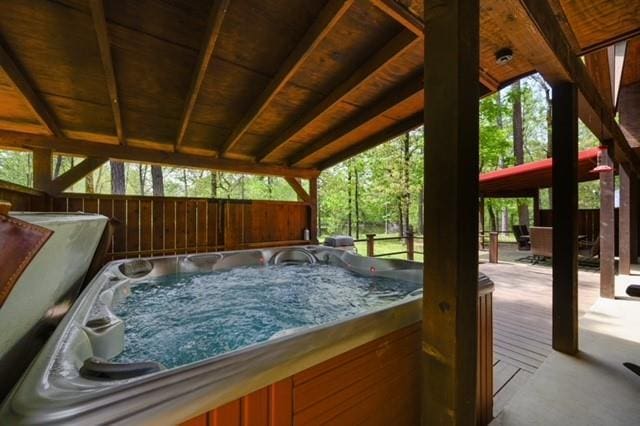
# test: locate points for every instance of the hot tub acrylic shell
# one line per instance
(53, 392)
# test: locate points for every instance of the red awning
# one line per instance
(523, 180)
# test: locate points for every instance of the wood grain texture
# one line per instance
(100, 25)
(327, 19)
(25, 87)
(565, 210)
(449, 335)
(393, 49)
(216, 18)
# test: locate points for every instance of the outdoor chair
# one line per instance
(589, 251)
(521, 232)
(541, 238)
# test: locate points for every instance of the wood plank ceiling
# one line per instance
(279, 86)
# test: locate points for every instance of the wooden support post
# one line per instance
(450, 323)
(41, 162)
(73, 175)
(565, 217)
(493, 247)
(410, 245)
(536, 208)
(370, 244)
(625, 219)
(313, 201)
(607, 233)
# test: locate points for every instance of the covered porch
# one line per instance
(287, 88)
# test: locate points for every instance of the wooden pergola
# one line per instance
(289, 88)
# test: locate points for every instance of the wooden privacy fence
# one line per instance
(157, 226)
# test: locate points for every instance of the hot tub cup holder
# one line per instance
(137, 268)
(106, 335)
(96, 368)
(204, 262)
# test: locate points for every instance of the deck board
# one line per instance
(522, 322)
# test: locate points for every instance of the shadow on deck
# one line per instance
(522, 322)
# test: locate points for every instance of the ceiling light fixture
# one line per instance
(504, 56)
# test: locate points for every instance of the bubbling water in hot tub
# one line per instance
(180, 319)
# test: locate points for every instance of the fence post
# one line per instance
(409, 237)
(493, 247)
(370, 240)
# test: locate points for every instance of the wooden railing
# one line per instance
(409, 240)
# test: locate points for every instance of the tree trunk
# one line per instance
(357, 204)
(493, 222)
(406, 190)
(117, 178)
(270, 187)
(349, 219)
(518, 133)
(185, 182)
(421, 211)
(157, 181)
(504, 223)
(89, 186)
(56, 169)
(214, 184)
(142, 174)
(401, 217)
(518, 146)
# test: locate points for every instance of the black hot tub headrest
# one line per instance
(339, 241)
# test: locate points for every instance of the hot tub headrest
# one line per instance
(339, 241)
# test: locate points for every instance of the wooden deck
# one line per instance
(522, 322)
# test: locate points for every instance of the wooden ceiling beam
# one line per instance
(100, 26)
(487, 80)
(385, 135)
(326, 20)
(597, 64)
(74, 174)
(25, 87)
(402, 15)
(386, 102)
(26, 141)
(398, 45)
(544, 19)
(299, 190)
(216, 17)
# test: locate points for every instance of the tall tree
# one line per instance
(349, 187)
(117, 177)
(518, 144)
(142, 178)
(214, 184)
(157, 181)
(357, 201)
(89, 184)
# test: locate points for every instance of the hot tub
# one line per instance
(361, 346)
